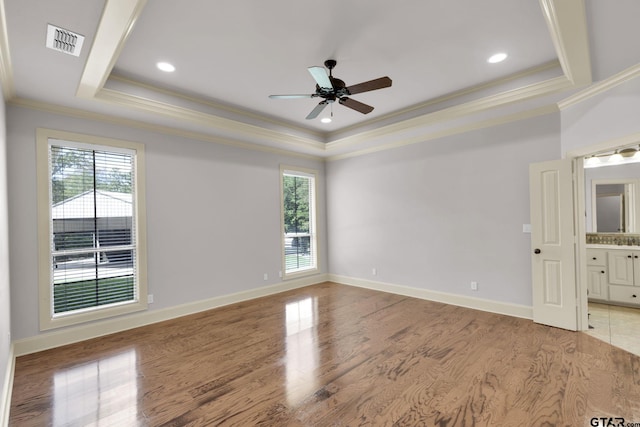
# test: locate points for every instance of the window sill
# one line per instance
(92, 315)
(300, 273)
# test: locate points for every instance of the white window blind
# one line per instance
(299, 221)
(93, 247)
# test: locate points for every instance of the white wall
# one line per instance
(613, 36)
(443, 213)
(213, 214)
(607, 116)
(5, 308)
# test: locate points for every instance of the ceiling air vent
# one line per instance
(64, 40)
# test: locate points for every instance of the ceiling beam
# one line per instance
(6, 69)
(116, 23)
(567, 22)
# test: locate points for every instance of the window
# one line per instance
(91, 237)
(298, 221)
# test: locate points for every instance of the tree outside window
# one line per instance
(298, 190)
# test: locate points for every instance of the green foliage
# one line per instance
(75, 171)
(296, 191)
(92, 293)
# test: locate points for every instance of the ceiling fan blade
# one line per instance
(314, 113)
(321, 77)
(375, 84)
(356, 105)
(289, 96)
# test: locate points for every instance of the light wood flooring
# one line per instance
(330, 355)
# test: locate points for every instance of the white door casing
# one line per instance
(552, 244)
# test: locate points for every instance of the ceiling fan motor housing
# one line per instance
(331, 89)
(339, 90)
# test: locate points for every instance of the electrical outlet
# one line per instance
(374, 271)
(280, 274)
(474, 286)
(266, 276)
(150, 299)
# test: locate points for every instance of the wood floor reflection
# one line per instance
(329, 355)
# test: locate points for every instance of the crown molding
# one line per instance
(565, 18)
(492, 101)
(297, 142)
(320, 136)
(527, 114)
(88, 115)
(600, 87)
(567, 22)
(118, 20)
(167, 130)
(498, 100)
(450, 96)
(6, 69)
(116, 23)
(208, 120)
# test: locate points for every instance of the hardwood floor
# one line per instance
(330, 355)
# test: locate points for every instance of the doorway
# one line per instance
(610, 320)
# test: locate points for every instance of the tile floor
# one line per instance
(619, 326)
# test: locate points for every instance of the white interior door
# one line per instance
(552, 244)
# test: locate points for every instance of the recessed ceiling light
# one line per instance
(325, 120)
(166, 67)
(498, 57)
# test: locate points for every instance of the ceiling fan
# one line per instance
(331, 89)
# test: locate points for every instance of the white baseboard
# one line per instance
(7, 388)
(509, 309)
(93, 330)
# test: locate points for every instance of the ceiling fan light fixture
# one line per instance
(498, 57)
(166, 67)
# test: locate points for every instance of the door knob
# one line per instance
(536, 251)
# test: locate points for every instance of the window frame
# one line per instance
(313, 227)
(45, 228)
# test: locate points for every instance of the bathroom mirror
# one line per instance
(612, 195)
(613, 206)
(610, 209)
